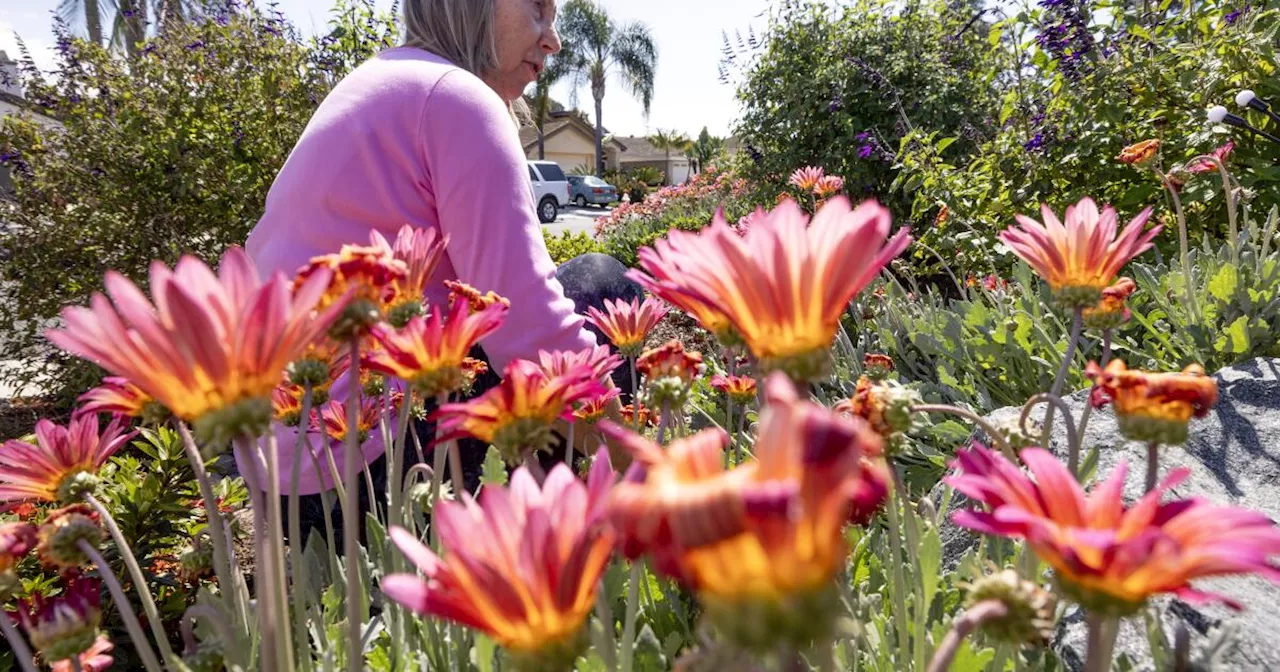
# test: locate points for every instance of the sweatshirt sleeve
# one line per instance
(484, 200)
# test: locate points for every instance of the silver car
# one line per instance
(584, 189)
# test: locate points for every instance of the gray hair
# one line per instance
(460, 31)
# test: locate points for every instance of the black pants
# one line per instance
(588, 280)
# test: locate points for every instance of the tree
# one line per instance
(705, 149)
(92, 12)
(555, 69)
(595, 47)
(169, 154)
(667, 141)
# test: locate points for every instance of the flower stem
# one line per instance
(629, 621)
(21, 652)
(437, 478)
(921, 644)
(230, 581)
(1073, 439)
(972, 619)
(296, 543)
(635, 393)
(568, 446)
(663, 421)
(1088, 408)
(1182, 245)
(248, 457)
(1102, 642)
(1153, 466)
(350, 514)
(898, 584)
(135, 575)
(127, 614)
(75, 664)
(995, 435)
(1077, 325)
(279, 580)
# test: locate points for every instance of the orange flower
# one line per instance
(665, 267)
(428, 352)
(420, 250)
(741, 389)
(365, 272)
(599, 358)
(477, 301)
(62, 464)
(116, 396)
(944, 216)
(877, 365)
(518, 415)
(471, 370)
(805, 179)
(212, 347)
(523, 565)
(593, 409)
(1139, 153)
(1082, 258)
(670, 360)
(626, 324)
(332, 417)
(1153, 407)
(785, 283)
(760, 543)
(286, 404)
(828, 186)
(1111, 311)
(1107, 557)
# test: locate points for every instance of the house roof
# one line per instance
(559, 123)
(640, 149)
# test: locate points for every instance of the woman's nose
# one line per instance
(551, 40)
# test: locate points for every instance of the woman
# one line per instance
(424, 134)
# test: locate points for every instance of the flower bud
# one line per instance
(61, 533)
(1031, 608)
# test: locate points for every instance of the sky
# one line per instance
(687, 94)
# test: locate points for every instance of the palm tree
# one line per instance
(92, 12)
(554, 69)
(705, 149)
(667, 141)
(595, 47)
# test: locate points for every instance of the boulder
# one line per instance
(1234, 457)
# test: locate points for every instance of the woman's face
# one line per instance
(525, 32)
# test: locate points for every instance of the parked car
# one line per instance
(550, 189)
(584, 189)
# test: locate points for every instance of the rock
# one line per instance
(1234, 457)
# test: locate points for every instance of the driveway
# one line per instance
(577, 220)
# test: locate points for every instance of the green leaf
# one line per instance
(1235, 338)
(1224, 282)
(967, 660)
(485, 650)
(930, 556)
(494, 470)
(648, 651)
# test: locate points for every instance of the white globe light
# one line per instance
(1217, 113)
(1244, 98)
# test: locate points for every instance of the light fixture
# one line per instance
(1249, 99)
(1219, 115)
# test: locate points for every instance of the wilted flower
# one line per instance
(1204, 165)
(66, 625)
(669, 370)
(1111, 311)
(95, 659)
(943, 216)
(119, 397)
(807, 178)
(1030, 617)
(534, 606)
(785, 284)
(60, 535)
(420, 250)
(626, 324)
(1107, 557)
(428, 352)
(885, 405)
(1153, 407)
(760, 543)
(1139, 153)
(477, 301)
(828, 186)
(1082, 258)
(212, 348)
(647, 418)
(877, 366)
(363, 272)
(62, 464)
(741, 389)
(518, 415)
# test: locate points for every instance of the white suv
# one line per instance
(550, 189)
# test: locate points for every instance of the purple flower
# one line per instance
(834, 105)
(865, 151)
(1233, 17)
(195, 45)
(1036, 142)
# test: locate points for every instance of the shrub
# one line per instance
(170, 154)
(568, 245)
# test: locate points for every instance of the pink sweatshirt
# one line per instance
(410, 138)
